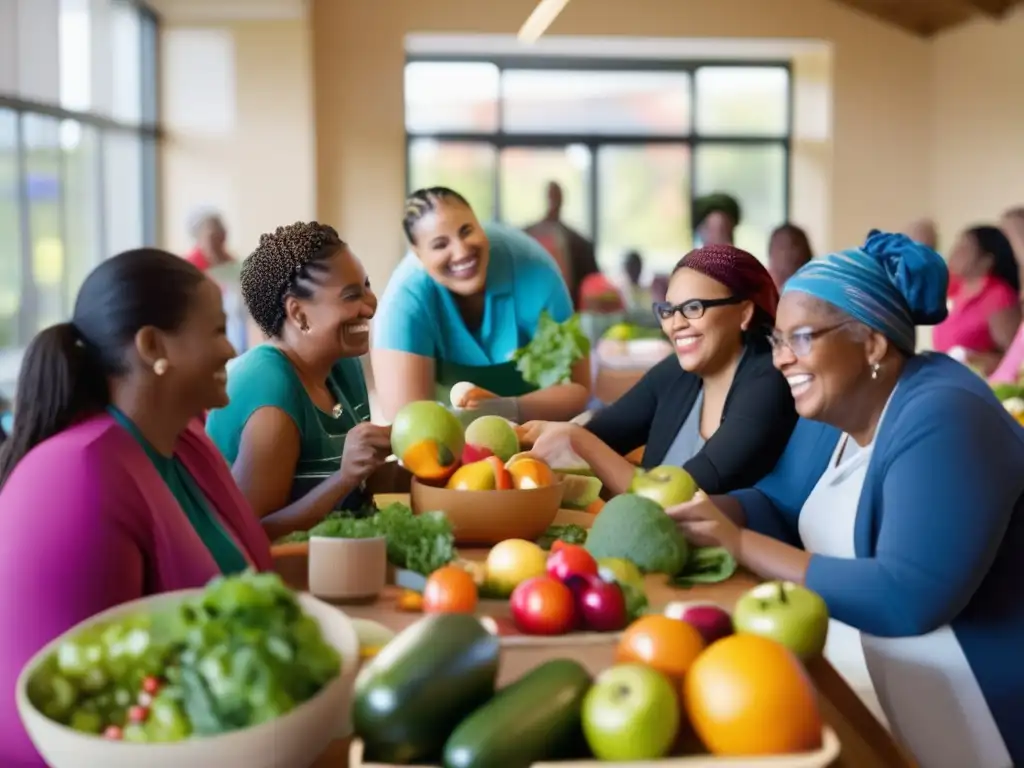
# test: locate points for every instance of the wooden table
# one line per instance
(865, 742)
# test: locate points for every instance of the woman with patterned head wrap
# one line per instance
(900, 500)
(717, 408)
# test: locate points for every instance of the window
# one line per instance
(631, 143)
(77, 150)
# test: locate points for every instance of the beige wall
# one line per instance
(237, 104)
(978, 123)
(880, 110)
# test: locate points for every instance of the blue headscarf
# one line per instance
(890, 284)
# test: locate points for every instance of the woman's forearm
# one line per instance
(302, 514)
(560, 402)
(615, 472)
(770, 558)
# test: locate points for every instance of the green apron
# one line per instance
(503, 379)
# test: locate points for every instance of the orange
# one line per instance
(450, 590)
(595, 506)
(748, 695)
(429, 460)
(530, 473)
(668, 645)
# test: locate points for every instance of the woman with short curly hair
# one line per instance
(297, 432)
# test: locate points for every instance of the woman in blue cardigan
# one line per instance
(898, 500)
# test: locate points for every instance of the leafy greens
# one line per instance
(550, 355)
(421, 543)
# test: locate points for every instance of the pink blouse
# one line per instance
(86, 523)
(967, 323)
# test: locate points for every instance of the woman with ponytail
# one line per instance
(109, 488)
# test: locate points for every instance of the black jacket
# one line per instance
(757, 420)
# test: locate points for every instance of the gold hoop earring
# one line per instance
(160, 366)
(875, 368)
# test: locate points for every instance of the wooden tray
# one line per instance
(820, 759)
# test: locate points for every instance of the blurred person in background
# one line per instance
(983, 299)
(715, 218)
(209, 254)
(1009, 369)
(638, 297)
(465, 298)
(572, 251)
(788, 249)
(923, 231)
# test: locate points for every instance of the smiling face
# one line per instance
(339, 308)
(198, 351)
(826, 356)
(706, 343)
(453, 247)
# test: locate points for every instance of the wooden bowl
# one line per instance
(487, 517)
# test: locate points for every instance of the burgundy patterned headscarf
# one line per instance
(738, 271)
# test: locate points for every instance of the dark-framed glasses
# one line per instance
(800, 341)
(691, 309)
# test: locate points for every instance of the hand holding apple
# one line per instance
(705, 525)
(785, 612)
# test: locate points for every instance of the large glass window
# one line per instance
(630, 143)
(77, 150)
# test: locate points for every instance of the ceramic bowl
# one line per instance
(347, 569)
(487, 517)
(296, 739)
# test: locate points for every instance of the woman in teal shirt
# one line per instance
(458, 307)
(296, 431)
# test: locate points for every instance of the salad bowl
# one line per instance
(292, 740)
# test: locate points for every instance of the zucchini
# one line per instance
(535, 718)
(410, 697)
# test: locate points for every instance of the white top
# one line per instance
(924, 684)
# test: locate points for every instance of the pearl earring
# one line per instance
(160, 366)
(875, 368)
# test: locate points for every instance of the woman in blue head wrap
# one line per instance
(899, 499)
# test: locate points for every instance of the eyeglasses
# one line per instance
(800, 341)
(692, 309)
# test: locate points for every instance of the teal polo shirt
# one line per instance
(419, 316)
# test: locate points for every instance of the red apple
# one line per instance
(711, 620)
(475, 453)
(571, 560)
(601, 605)
(543, 606)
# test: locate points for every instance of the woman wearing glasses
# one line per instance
(717, 408)
(901, 504)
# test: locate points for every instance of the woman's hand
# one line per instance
(367, 446)
(705, 525)
(549, 439)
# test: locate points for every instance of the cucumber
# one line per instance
(410, 697)
(535, 718)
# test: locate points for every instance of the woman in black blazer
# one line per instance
(718, 407)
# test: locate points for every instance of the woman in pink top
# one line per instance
(109, 488)
(984, 309)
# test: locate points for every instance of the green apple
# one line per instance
(630, 713)
(785, 612)
(621, 570)
(494, 433)
(428, 439)
(666, 485)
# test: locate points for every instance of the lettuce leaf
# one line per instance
(554, 349)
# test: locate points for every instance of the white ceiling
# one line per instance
(187, 11)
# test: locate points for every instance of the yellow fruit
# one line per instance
(513, 561)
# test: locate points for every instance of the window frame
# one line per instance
(149, 133)
(501, 139)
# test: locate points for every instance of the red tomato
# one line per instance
(543, 606)
(571, 560)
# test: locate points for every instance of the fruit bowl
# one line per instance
(294, 739)
(487, 517)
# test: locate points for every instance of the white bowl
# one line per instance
(292, 741)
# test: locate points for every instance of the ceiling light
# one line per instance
(542, 17)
